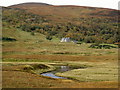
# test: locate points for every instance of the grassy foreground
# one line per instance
(16, 76)
(101, 68)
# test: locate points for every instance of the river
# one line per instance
(59, 69)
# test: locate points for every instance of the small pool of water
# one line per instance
(52, 75)
(59, 69)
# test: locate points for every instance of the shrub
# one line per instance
(78, 43)
(100, 46)
(49, 37)
(8, 39)
(40, 66)
(94, 45)
(32, 33)
(90, 39)
(28, 67)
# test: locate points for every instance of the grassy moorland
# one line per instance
(31, 45)
(16, 76)
(31, 50)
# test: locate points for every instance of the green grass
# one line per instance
(53, 48)
(98, 72)
(22, 35)
(38, 44)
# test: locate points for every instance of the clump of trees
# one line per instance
(90, 30)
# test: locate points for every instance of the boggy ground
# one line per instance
(15, 77)
(99, 72)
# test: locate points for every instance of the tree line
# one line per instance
(90, 29)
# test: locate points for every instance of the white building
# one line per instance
(67, 39)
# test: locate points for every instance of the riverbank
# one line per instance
(28, 79)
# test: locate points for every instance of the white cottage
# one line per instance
(67, 39)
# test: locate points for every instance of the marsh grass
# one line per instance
(99, 72)
(33, 68)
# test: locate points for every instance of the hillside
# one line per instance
(85, 24)
(67, 13)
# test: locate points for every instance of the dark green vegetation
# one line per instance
(86, 24)
(102, 46)
(8, 39)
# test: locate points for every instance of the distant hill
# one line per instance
(31, 3)
(66, 13)
(88, 24)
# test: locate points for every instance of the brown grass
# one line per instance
(61, 13)
(66, 57)
(15, 79)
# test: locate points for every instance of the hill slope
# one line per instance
(80, 23)
(67, 13)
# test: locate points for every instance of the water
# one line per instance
(60, 69)
(52, 75)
